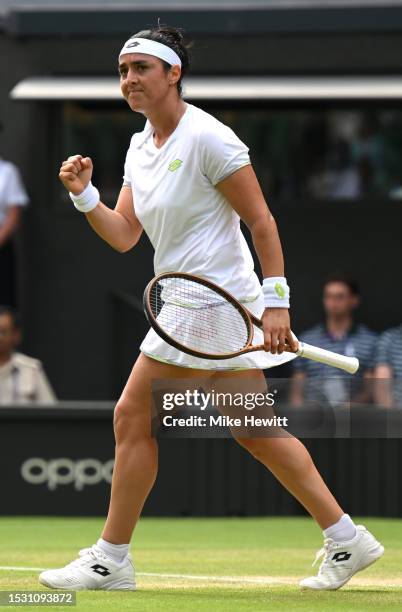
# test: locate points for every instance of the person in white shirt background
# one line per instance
(13, 198)
(187, 182)
(22, 378)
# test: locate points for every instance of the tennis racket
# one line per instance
(200, 318)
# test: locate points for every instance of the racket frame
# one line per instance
(247, 317)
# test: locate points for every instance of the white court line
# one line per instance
(21, 569)
(234, 579)
(268, 580)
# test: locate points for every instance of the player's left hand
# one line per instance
(276, 326)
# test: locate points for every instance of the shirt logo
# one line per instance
(174, 165)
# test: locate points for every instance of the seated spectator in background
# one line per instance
(22, 379)
(341, 334)
(12, 198)
(388, 371)
(342, 176)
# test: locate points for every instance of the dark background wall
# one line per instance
(197, 477)
(79, 303)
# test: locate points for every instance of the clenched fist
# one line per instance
(75, 173)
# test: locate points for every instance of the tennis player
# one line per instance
(187, 182)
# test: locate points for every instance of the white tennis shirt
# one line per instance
(191, 226)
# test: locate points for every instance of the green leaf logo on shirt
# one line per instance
(279, 290)
(174, 165)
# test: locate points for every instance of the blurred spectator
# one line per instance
(368, 145)
(22, 379)
(341, 334)
(342, 177)
(388, 371)
(12, 197)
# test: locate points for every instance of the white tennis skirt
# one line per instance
(155, 347)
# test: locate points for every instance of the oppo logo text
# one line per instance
(64, 471)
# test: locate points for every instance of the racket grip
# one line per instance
(349, 364)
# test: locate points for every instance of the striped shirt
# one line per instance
(389, 350)
(334, 384)
(389, 353)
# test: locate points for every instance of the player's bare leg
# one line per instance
(107, 565)
(136, 450)
(288, 459)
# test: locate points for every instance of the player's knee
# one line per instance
(129, 424)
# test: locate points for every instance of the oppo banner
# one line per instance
(59, 461)
(56, 460)
(61, 472)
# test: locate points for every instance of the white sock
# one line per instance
(117, 552)
(342, 531)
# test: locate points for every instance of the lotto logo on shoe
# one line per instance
(99, 569)
(341, 556)
(64, 471)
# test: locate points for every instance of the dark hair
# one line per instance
(173, 38)
(340, 277)
(6, 310)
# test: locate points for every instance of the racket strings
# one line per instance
(198, 317)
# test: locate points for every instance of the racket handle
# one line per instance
(349, 364)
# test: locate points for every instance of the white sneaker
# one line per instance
(343, 559)
(92, 570)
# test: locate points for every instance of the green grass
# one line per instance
(278, 550)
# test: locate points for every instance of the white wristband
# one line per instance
(87, 200)
(276, 292)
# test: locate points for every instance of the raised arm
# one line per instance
(119, 227)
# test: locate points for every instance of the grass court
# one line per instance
(205, 564)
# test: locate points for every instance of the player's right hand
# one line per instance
(75, 173)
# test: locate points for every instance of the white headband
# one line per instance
(151, 47)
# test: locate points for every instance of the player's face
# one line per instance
(339, 300)
(9, 335)
(144, 82)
